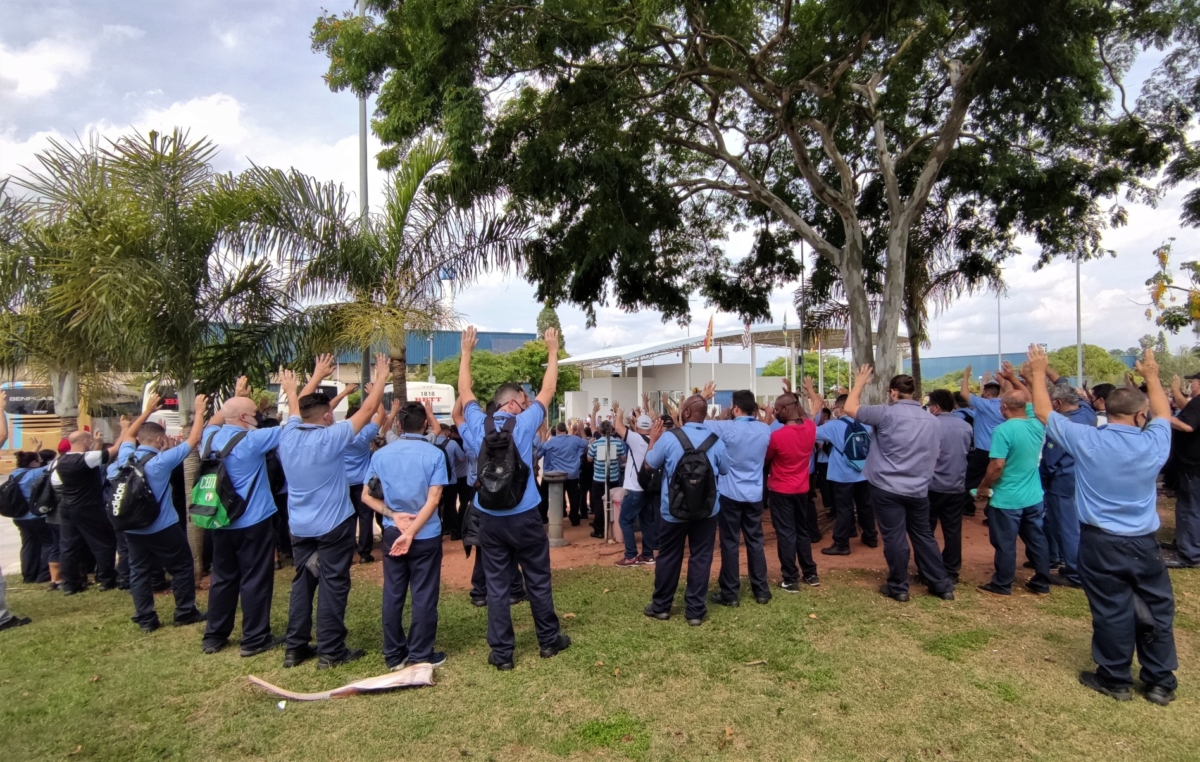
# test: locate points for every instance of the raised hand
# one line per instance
(1036, 360)
(864, 375)
(808, 386)
(656, 431)
(382, 368)
(352, 388)
(1147, 366)
(287, 382)
(200, 405)
(709, 391)
(241, 387)
(787, 385)
(153, 403)
(551, 339)
(324, 367)
(470, 338)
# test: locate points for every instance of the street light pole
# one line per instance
(1078, 323)
(999, 354)
(365, 374)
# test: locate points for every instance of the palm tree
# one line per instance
(373, 279)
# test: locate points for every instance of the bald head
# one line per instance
(1013, 403)
(787, 407)
(80, 441)
(239, 411)
(694, 409)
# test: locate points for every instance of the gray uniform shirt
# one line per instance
(950, 473)
(904, 447)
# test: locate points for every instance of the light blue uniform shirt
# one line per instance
(244, 464)
(358, 454)
(461, 463)
(524, 435)
(454, 453)
(1116, 467)
(158, 475)
(840, 470)
(563, 452)
(745, 439)
(318, 492)
(407, 468)
(1058, 467)
(25, 483)
(667, 451)
(987, 418)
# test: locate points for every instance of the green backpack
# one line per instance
(215, 502)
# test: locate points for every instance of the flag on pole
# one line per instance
(785, 322)
(747, 337)
(708, 335)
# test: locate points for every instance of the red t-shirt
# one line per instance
(789, 454)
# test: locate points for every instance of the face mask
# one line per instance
(779, 417)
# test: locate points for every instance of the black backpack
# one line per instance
(692, 493)
(13, 504)
(133, 504)
(43, 495)
(449, 467)
(649, 479)
(502, 474)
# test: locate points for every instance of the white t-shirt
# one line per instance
(637, 456)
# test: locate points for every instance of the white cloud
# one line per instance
(40, 68)
(121, 32)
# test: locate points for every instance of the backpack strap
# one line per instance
(684, 441)
(206, 448)
(232, 443)
(707, 444)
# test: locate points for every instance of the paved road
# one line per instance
(10, 547)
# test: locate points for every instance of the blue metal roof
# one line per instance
(446, 344)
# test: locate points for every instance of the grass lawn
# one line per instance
(836, 673)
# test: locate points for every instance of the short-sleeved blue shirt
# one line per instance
(25, 480)
(247, 467)
(840, 470)
(987, 417)
(667, 452)
(158, 475)
(454, 453)
(318, 490)
(1116, 467)
(407, 468)
(524, 434)
(1058, 467)
(563, 452)
(746, 440)
(358, 454)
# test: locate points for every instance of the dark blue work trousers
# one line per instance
(738, 519)
(792, 541)
(1062, 522)
(37, 544)
(418, 571)
(166, 549)
(905, 518)
(86, 528)
(505, 542)
(322, 562)
(1133, 607)
(1187, 518)
(479, 581)
(946, 508)
(243, 566)
(849, 499)
(1004, 526)
(700, 537)
(637, 508)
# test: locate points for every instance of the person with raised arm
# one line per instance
(986, 416)
(320, 515)
(358, 458)
(905, 444)
(510, 527)
(1120, 564)
(1186, 460)
(637, 507)
(848, 485)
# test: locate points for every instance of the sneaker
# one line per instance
(993, 589)
(214, 647)
(1156, 694)
(1092, 680)
(1037, 590)
(790, 587)
(812, 580)
(560, 645)
(834, 550)
(721, 600)
(646, 561)
(16, 621)
(498, 663)
(438, 658)
(627, 563)
(659, 615)
(351, 654)
(270, 645)
(195, 618)
(398, 665)
(294, 657)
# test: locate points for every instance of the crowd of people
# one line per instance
(1072, 473)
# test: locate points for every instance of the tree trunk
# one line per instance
(862, 348)
(914, 346)
(64, 385)
(195, 535)
(185, 390)
(399, 361)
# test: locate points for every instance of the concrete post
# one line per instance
(556, 480)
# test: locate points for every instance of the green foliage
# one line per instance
(951, 382)
(548, 318)
(525, 365)
(837, 370)
(1098, 365)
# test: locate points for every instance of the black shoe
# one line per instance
(516, 600)
(834, 550)
(721, 600)
(695, 622)
(886, 592)
(789, 587)
(149, 627)
(16, 621)
(270, 645)
(1169, 545)
(812, 580)
(1027, 565)
(366, 559)
(106, 586)
(1092, 680)
(437, 659)
(994, 589)
(945, 595)
(1156, 694)
(164, 587)
(1173, 561)
(597, 535)
(1059, 580)
(562, 644)
(1037, 590)
(351, 654)
(74, 590)
(294, 657)
(874, 543)
(762, 600)
(479, 603)
(455, 538)
(574, 522)
(501, 666)
(660, 615)
(195, 618)
(212, 648)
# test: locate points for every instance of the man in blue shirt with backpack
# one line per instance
(849, 441)
(510, 527)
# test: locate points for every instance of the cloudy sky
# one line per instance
(243, 73)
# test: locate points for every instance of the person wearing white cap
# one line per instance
(635, 507)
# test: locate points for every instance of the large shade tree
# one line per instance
(638, 132)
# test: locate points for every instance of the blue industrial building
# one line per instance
(446, 344)
(936, 367)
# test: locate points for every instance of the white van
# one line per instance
(168, 416)
(441, 395)
(330, 389)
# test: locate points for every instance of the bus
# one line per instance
(31, 416)
(330, 389)
(441, 395)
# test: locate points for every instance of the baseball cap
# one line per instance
(644, 422)
(1193, 377)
